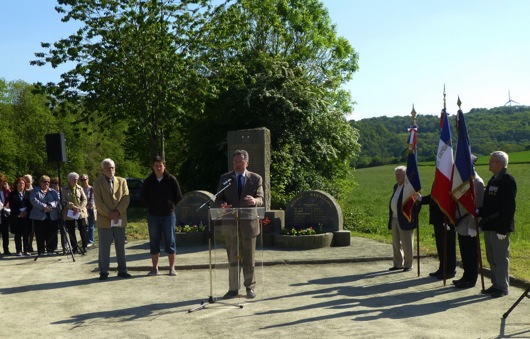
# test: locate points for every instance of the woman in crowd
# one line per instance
(20, 224)
(74, 213)
(91, 208)
(29, 187)
(45, 215)
(4, 213)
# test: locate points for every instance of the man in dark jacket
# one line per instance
(446, 249)
(497, 222)
(160, 194)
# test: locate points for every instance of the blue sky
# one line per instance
(408, 50)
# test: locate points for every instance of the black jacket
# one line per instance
(498, 208)
(404, 224)
(161, 197)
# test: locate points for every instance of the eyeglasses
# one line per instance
(84, 179)
(45, 182)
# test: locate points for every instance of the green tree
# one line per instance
(134, 61)
(282, 68)
(26, 119)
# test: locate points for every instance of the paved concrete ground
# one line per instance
(324, 293)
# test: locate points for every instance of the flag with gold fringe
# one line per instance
(464, 171)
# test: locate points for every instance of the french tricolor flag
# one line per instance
(442, 187)
(464, 172)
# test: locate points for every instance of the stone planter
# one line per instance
(190, 238)
(303, 242)
(268, 240)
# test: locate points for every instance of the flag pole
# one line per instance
(415, 209)
(472, 188)
(444, 225)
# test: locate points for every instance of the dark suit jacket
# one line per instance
(498, 208)
(16, 204)
(253, 186)
(404, 224)
(436, 216)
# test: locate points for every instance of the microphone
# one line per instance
(227, 181)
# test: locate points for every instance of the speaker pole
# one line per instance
(63, 230)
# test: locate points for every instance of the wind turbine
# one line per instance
(510, 100)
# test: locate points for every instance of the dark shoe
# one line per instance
(230, 294)
(406, 269)
(103, 276)
(464, 284)
(250, 293)
(447, 275)
(394, 268)
(7, 252)
(456, 282)
(124, 275)
(499, 294)
(435, 274)
(489, 290)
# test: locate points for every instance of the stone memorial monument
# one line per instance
(319, 210)
(186, 210)
(257, 142)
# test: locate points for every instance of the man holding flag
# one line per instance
(468, 192)
(441, 206)
(402, 217)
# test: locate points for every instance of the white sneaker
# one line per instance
(172, 272)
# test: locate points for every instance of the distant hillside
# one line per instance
(383, 139)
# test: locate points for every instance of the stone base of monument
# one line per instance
(268, 240)
(303, 242)
(341, 238)
(190, 238)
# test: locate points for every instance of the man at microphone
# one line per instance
(245, 190)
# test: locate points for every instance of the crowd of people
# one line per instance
(33, 213)
(39, 213)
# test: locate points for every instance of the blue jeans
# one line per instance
(162, 226)
(90, 226)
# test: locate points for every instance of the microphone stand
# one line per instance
(211, 299)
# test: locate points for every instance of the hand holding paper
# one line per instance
(73, 214)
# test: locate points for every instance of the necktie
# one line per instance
(111, 183)
(240, 183)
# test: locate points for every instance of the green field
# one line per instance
(366, 208)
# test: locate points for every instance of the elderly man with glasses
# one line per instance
(111, 195)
